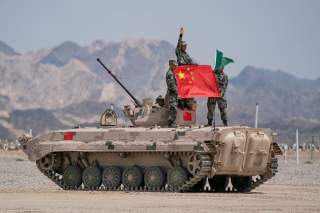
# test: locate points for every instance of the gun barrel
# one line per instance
(123, 87)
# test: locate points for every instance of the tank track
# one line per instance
(189, 185)
(205, 168)
(206, 165)
(271, 172)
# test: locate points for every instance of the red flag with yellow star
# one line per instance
(196, 81)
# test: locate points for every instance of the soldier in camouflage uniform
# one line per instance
(172, 93)
(222, 102)
(222, 78)
(183, 58)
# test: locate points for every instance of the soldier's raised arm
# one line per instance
(179, 40)
(180, 36)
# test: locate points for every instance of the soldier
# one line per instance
(222, 102)
(222, 78)
(172, 93)
(183, 58)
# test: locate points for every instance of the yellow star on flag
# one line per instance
(181, 75)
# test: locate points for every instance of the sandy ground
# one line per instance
(269, 198)
(296, 188)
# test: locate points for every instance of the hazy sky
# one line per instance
(274, 34)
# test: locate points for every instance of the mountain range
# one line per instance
(64, 86)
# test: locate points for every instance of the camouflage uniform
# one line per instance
(222, 102)
(183, 58)
(172, 96)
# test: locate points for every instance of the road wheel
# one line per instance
(154, 177)
(132, 177)
(111, 177)
(72, 176)
(177, 176)
(91, 177)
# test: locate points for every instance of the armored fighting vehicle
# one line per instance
(149, 156)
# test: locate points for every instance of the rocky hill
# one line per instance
(286, 102)
(64, 86)
(6, 49)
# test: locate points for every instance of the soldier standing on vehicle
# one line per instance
(183, 58)
(222, 102)
(172, 93)
(222, 78)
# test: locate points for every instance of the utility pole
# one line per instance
(257, 116)
(312, 148)
(297, 145)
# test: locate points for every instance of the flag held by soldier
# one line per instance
(196, 81)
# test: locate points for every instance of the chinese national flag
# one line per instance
(196, 81)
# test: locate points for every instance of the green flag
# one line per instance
(219, 57)
(221, 61)
(226, 61)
